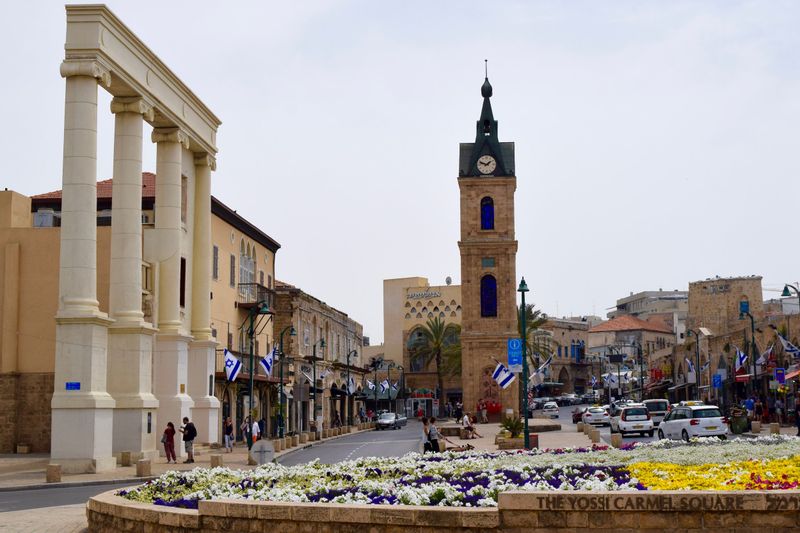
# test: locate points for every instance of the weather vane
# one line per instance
(486, 67)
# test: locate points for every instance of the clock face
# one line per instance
(486, 164)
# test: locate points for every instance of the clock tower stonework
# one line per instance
(486, 182)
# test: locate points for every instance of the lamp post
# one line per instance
(523, 385)
(638, 346)
(786, 293)
(696, 361)
(292, 333)
(402, 386)
(376, 363)
(321, 344)
(348, 409)
(744, 310)
(389, 368)
(260, 308)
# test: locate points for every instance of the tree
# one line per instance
(534, 320)
(440, 343)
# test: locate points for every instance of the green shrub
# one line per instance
(513, 426)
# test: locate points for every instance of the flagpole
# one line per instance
(523, 385)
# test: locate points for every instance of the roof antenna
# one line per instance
(486, 67)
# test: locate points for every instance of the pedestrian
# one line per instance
(426, 443)
(168, 439)
(229, 435)
(256, 431)
(759, 410)
(469, 429)
(749, 404)
(779, 410)
(797, 414)
(189, 434)
(433, 435)
(337, 421)
(244, 429)
(484, 412)
(279, 424)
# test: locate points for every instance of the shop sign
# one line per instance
(423, 294)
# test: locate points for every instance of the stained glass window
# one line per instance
(487, 213)
(488, 296)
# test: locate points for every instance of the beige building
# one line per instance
(571, 370)
(714, 302)
(668, 307)
(327, 348)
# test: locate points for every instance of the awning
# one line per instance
(682, 385)
(743, 378)
(793, 374)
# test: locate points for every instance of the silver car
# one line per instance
(390, 420)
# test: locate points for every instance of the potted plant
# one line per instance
(514, 427)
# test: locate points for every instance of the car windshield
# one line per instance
(597, 410)
(387, 416)
(636, 411)
(550, 406)
(657, 406)
(706, 413)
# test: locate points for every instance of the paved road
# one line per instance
(18, 500)
(384, 443)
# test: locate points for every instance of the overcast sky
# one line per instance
(657, 142)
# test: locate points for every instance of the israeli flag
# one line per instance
(594, 382)
(705, 366)
(789, 348)
(370, 385)
(232, 365)
(764, 359)
(267, 362)
(740, 358)
(395, 385)
(689, 365)
(325, 373)
(384, 386)
(503, 376)
(308, 378)
(351, 386)
(499, 370)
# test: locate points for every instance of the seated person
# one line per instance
(466, 423)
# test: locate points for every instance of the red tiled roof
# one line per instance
(104, 189)
(630, 323)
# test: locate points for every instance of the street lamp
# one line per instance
(402, 386)
(620, 388)
(348, 408)
(744, 310)
(321, 344)
(523, 384)
(292, 333)
(260, 308)
(389, 368)
(638, 346)
(786, 294)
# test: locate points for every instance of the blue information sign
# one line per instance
(717, 381)
(780, 375)
(744, 307)
(515, 355)
(73, 385)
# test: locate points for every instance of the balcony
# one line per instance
(252, 293)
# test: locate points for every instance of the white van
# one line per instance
(658, 409)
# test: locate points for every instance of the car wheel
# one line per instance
(650, 433)
(660, 435)
(723, 437)
(685, 436)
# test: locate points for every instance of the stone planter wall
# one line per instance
(517, 512)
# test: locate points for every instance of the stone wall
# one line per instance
(516, 512)
(25, 411)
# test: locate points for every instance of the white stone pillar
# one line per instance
(81, 406)
(172, 344)
(202, 360)
(130, 343)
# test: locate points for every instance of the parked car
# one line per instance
(390, 420)
(596, 415)
(632, 418)
(550, 409)
(687, 421)
(577, 414)
(658, 409)
(567, 399)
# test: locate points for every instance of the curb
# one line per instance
(318, 443)
(69, 484)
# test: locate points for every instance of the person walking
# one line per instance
(168, 439)
(484, 412)
(433, 435)
(779, 411)
(256, 430)
(189, 434)
(759, 410)
(426, 443)
(229, 435)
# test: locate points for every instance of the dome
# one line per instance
(486, 89)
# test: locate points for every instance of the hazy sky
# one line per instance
(657, 142)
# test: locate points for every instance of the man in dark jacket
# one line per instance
(189, 434)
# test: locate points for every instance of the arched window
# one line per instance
(488, 296)
(487, 213)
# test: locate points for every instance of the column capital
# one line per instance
(174, 135)
(86, 67)
(132, 104)
(204, 159)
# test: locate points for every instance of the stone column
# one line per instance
(130, 343)
(81, 406)
(171, 353)
(202, 359)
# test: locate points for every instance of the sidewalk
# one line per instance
(567, 437)
(28, 471)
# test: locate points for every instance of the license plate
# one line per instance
(638, 427)
(711, 428)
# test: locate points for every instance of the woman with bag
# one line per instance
(433, 435)
(426, 443)
(168, 440)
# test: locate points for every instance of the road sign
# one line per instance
(780, 375)
(717, 381)
(73, 385)
(262, 451)
(515, 355)
(744, 307)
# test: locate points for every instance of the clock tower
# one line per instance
(486, 182)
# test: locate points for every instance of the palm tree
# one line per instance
(534, 320)
(440, 343)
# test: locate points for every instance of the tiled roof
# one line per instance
(630, 323)
(104, 189)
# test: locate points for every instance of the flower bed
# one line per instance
(474, 479)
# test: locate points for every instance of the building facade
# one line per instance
(488, 247)
(668, 307)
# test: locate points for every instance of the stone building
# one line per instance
(571, 370)
(488, 247)
(329, 364)
(668, 307)
(714, 302)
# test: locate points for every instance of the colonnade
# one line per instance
(119, 379)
